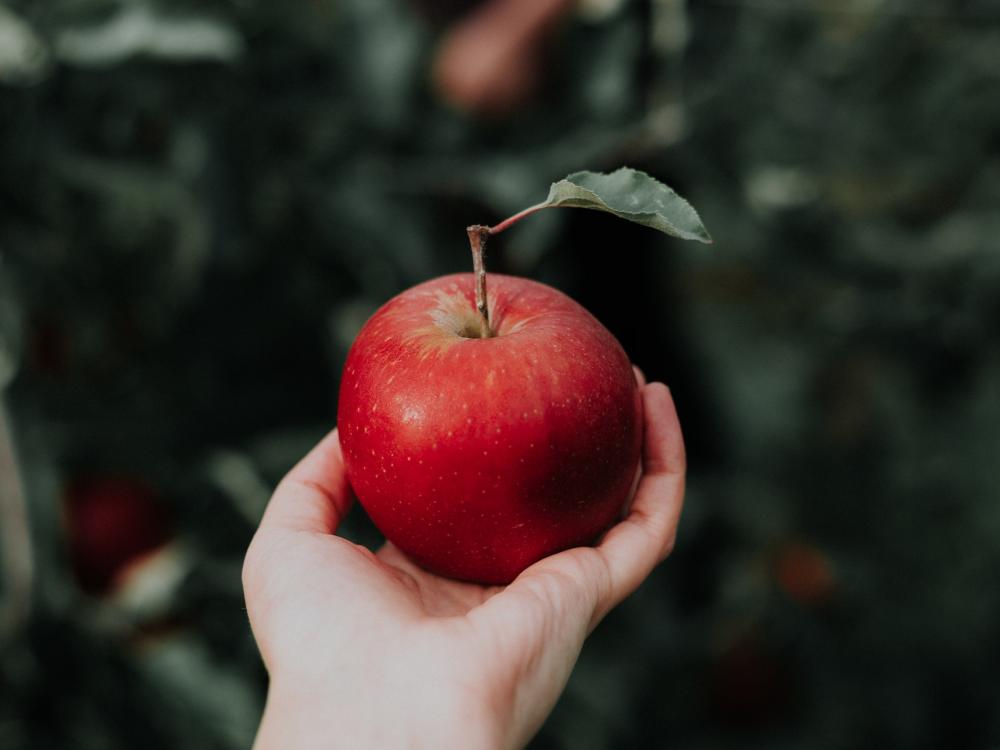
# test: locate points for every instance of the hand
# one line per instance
(367, 650)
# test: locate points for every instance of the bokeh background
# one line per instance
(201, 202)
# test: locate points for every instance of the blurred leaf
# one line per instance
(10, 330)
(139, 29)
(24, 58)
(186, 672)
(631, 195)
(235, 474)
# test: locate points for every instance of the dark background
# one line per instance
(200, 203)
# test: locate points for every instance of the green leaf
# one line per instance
(633, 195)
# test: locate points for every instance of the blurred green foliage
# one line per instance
(200, 203)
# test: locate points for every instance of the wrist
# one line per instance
(298, 715)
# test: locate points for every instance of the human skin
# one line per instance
(366, 649)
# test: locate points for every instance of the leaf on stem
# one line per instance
(633, 195)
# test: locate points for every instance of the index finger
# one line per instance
(315, 495)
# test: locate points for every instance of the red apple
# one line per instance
(479, 456)
(112, 521)
(805, 573)
(493, 60)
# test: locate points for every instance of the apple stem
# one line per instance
(477, 239)
(497, 228)
(478, 233)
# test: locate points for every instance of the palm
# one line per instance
(321, 577)
(386, 579)
(431, 595)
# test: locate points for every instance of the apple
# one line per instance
(485, 432)
(805, 573)
(493, 60)
(112, 522)
(478, 456)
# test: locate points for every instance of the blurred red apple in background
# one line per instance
(804, 573)
(479, 456)
(112, 521)
(492, 61)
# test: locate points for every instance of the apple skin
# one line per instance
(477, 457)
